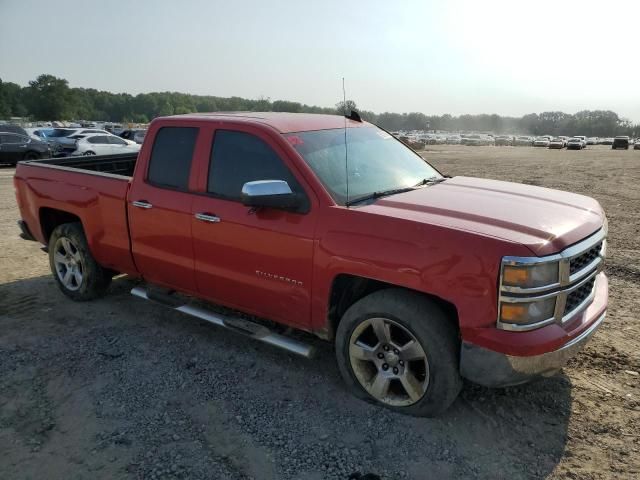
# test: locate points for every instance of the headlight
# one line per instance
(530, 276)
(527, 312)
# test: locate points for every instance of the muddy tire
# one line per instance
(398, 349)
(74, 269)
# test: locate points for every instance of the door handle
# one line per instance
(207, 217)
(141, 204)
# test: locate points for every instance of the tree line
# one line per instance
(50, 98)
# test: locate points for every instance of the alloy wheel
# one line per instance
(68, 263)
(389, 362)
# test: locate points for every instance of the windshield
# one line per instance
(60, 132)
(377, 161)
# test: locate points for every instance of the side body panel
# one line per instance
(97, 199)
(459, 267)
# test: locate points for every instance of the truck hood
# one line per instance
(544, 220)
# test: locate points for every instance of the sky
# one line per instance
(449, 56)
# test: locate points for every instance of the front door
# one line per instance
(259, 261)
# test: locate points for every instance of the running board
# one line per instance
(240, 325)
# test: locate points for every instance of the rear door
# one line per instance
(118, 145)
(257, 261)
(12, 147)
(100, 145)
(159, 206)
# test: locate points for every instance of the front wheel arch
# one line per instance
(347, 289)
(424, 321)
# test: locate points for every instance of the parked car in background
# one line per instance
(621, 141)
(636, 145)
(42, 133)
(607, 141)
(477, 140)
(575, 143)
(592, 141)
(454, 139)
(15, 147)
(504, 140)
(583, 139)
(541, 142)
(523, 141)
(139, 136)
(132, 134)
(14, 129)
(557, 143)
(87, 131)
(58, 139)
(103, 145)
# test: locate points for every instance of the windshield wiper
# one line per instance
(393, 191)
(430, 181)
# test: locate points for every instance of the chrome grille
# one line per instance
(578, 266)
(585, 258)
(579, 295)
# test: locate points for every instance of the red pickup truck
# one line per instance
(330, 225)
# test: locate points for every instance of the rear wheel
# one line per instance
(31, 156)
(88, 153)
(75, 270)
(397, 348)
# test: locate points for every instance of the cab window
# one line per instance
(240, 157)
(171, 156)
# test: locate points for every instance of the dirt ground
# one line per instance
(121, 388)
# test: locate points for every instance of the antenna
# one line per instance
(346, 150)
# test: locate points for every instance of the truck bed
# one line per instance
(92, 190)
(121, 165)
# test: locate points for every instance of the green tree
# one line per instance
(344, 108)
(48, 98)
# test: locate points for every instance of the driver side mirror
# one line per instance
(269, 194)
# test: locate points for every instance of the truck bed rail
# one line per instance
(121, 165)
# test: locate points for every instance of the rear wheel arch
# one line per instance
(50, 218)
(347, 289)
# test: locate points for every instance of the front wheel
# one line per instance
(397, 348)
(75, 270)
(86, 154)
(31, 156)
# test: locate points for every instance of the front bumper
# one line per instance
(494, 369)
(543, 350)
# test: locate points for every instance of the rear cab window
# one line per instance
(240, 157)
(171, 157)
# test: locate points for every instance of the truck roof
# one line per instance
(282, 121)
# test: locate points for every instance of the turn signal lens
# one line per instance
(515, 275)
(512, 312)
(526, 313)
